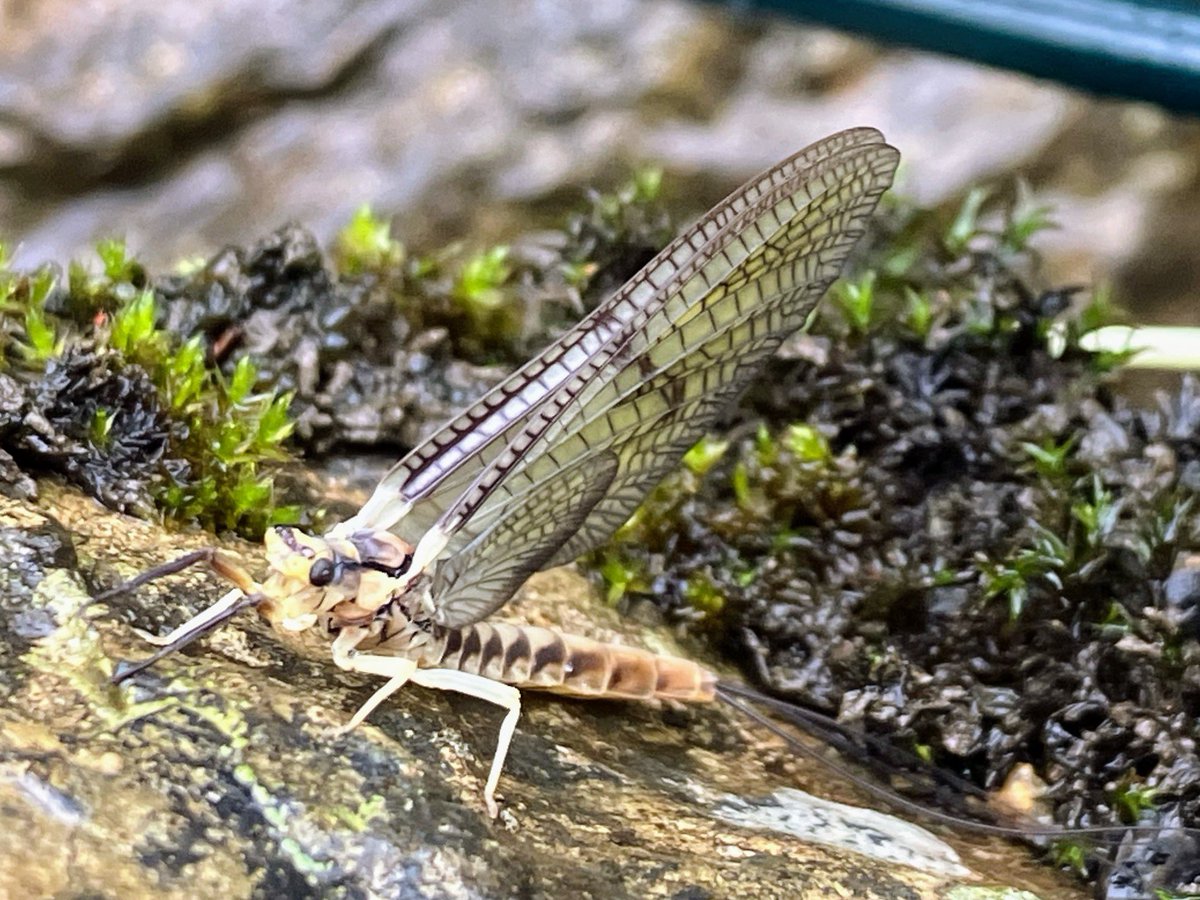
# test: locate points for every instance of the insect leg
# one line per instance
(396, 669)
(200, 621)
(504, 695)
(218, 563)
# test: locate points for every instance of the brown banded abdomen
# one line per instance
(541, 658)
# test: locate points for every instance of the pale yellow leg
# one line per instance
(396, 669)
(504, 695)
(399, 671)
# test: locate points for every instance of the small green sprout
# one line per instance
(643, 188)
(1050, 458)
(966, 225)
(41, 338)
(41, 341)
(1013, 577)
(918, 313)
(739, 481)
(119, 266)
(101, 427)
(1070, 855)
(1116, 622)
(133, 333)
(647, 184)
(185, 375)
(857, 300)
(121, 277)
(744, 576)
(806, 443)
(621, 575)
(366, 244)
(1025, 219)
(705, 454)
(1130, 799)
(479, 284)
(1099, 516)
(702, 595)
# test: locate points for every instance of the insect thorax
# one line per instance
(345, 581)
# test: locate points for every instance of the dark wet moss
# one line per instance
(184, 394)
(937, 521)
(99, 389)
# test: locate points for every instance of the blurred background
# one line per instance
(185, 126)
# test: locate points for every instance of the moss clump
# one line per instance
(501, 304)
(97, 390)
(940, 525)
(177, 394)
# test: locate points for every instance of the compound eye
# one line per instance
(321, 573)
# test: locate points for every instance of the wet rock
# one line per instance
(1158, 865)
(183, 134)
(218, 772)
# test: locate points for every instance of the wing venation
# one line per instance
(554, 459)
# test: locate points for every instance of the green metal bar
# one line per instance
(1136, 49)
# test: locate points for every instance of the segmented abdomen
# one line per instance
(545, 659)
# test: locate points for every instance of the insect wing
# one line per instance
(554, 385)
(758, 283)
(634, 423)
(481, 577)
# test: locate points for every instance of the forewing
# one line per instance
(554, 387)
(483, 575)
(667, 394)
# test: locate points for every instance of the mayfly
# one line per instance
(553, 460)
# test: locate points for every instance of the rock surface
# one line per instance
(184, 131)
(216, 774)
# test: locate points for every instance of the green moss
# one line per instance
(366, 244)
(220, 432)
(1026, 218)
(703, 596)
(1073, 856)
(705, 454)
(966, 225)
(479, 288)
(1050, 457)
(90, 293)
(1131, 798)
(1013, 578)
(857, 299)
(37, 337)
(229, 432)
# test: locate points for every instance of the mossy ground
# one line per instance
(933, 519)
(183, 395)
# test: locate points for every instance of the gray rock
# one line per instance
(216, 773)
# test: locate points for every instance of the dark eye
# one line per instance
(321, 573)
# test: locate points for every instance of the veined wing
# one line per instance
(652, 411)
(498, 560)
(554, 387)
(782, 253)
